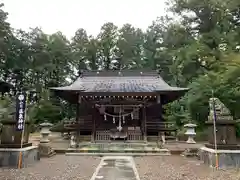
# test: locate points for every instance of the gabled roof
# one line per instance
(119, 81)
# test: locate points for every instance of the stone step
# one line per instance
(85, 138)
(118, 151)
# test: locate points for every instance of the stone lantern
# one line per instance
(190, 132)
(45, 131)
(45, 149)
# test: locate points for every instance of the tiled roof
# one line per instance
(115, 81)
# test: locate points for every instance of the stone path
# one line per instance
(116, 168)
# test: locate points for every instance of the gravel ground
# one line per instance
(59, 167)
(179, 168)
(63, 167)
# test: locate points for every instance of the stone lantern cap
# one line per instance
(46, 124)
(190, 125)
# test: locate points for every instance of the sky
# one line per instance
(69, 15)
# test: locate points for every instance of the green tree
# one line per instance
(129, 51)
(108, 39)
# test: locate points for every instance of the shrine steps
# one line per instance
(130, 149)
(130, 152)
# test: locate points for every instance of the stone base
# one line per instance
(224, 146)
(226, 158)
(190, 153)
(191, 140)
(15, 145)
(45, 150)
(9, 157)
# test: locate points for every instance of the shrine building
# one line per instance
(120, 105)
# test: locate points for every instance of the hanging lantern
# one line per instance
(105, 117)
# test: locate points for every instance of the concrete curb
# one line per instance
(165, 151)
(117, 154)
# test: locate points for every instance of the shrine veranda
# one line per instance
(119, 106)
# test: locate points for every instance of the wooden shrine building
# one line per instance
(119, 105)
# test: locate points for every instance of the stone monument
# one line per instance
(227, 149)
(11, 140)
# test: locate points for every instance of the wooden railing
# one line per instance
(164, 130)
(161, 126)
(103, 135)
(83, 124)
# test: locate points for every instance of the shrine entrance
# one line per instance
(121, 123)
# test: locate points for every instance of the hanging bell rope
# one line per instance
(114, 120)
(119, 122)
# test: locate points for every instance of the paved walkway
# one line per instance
(116, 168)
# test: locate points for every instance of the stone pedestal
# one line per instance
(45, 150)
(9, 157)
(225, 127)
(190, 132)
(225, 135)
(226, 158)
(10, 138)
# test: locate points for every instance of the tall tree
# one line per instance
(108, 39)
(79, 49)
(129, 49)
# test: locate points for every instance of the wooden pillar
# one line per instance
(144, 124)
(94, 125)
(78, 121)
(162, 134)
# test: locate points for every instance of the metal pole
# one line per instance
(215, 131)
(78, 120)
(22, 135)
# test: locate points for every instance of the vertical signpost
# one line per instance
(215, 130)
(21, 101)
